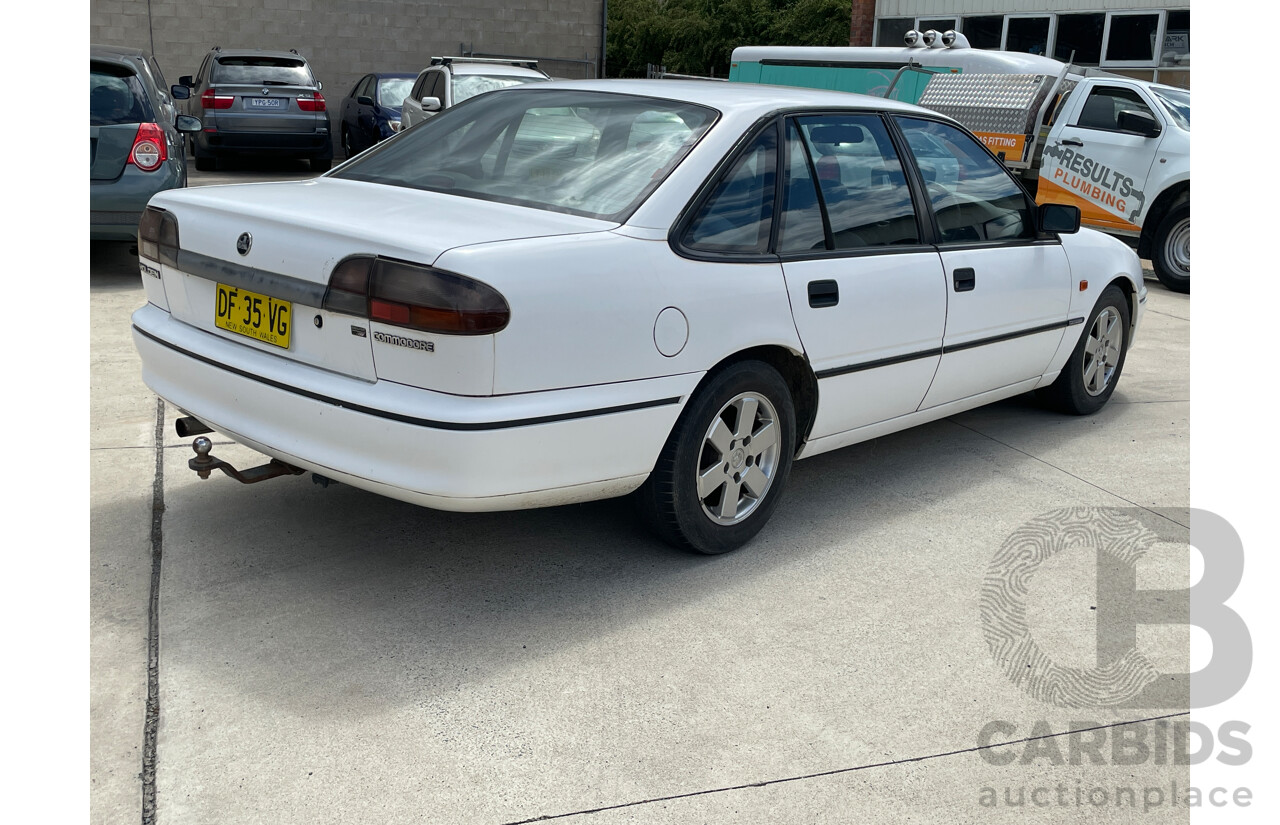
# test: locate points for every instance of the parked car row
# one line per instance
(249, 103)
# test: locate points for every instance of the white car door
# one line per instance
(867, 293)
(1090, 162)
(1008, 290)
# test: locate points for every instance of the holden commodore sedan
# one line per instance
(579, 290)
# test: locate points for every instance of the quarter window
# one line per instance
(738, 217)
(973, 197)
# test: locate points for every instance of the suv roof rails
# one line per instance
(295, 51)
(217, 48)
(525, 62)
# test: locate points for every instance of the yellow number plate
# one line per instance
(257, 316)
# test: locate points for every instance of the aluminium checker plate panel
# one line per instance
(991, 103)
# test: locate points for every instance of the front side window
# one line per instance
(860, 178)
(1103, 107)
(592, 154)
(974, 198)
(738, 216)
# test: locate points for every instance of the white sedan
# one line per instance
(578, 290)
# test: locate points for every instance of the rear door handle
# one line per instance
(823, 294)
(964, 279)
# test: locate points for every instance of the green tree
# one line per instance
(698, 36)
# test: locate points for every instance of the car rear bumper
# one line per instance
(115, 206)
(443, 451)
(308, 144)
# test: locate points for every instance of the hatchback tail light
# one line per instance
(149, 148)
(415, 297)
(158, 236)
(310, 103)
(212, 100)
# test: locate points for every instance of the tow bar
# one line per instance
(204, 464)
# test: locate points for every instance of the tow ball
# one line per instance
(204, 464)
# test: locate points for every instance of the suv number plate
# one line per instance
(256, 316)
(265, 102)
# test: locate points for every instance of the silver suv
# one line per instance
(451, 80)
(256, 102)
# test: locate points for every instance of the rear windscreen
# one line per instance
(116, 96)
(265, 71)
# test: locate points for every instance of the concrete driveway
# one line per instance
(325, 655)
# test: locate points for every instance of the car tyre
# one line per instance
(1091, 373)
(346, 143)
(321, 164)
(724, 466)
(1172, 250)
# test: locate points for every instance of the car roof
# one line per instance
(100, 51)
(389, 75)
(741, 97)
(495, 68)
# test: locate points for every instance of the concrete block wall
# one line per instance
(346, 39)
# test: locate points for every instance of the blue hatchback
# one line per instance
(371, 112)
(135, 139)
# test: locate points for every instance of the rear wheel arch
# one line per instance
(795, 371)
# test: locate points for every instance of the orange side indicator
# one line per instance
(1084, 285)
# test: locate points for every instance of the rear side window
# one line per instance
(863, 187)
(470, 85)
(264, 71)
(116, 96)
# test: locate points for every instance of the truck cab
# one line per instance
(1117, 148)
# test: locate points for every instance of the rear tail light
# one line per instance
(415, 297)
(149, 148)
(158, 236)
(212, 100)
(311, 103)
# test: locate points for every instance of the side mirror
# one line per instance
(180, 92)
(1138, 123)
(186, 80)
(431, 104)
(364, 100)
(187, 123)
(1058, 218)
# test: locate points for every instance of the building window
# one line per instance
(1132, 38)
(985, 32)
(892, 31)
(1081, 34)
(1028, 34)
(941, 24)
(1177, 39)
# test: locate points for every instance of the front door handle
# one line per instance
(823, 294)
(964, 279)
(1072, 142)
